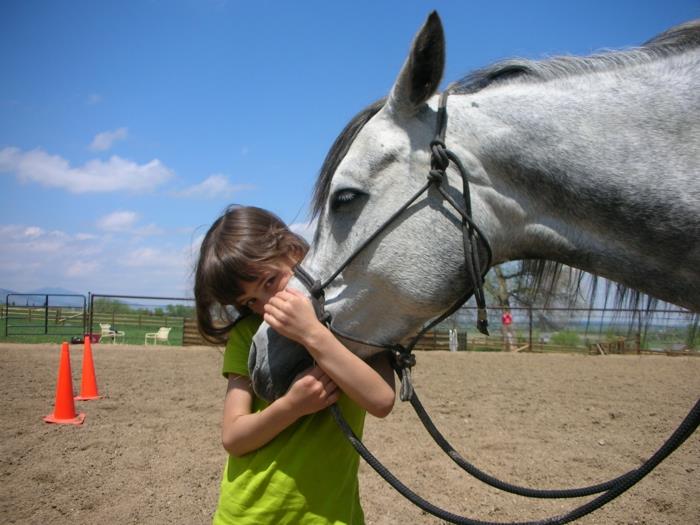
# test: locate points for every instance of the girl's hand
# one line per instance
(291, 314)
(311, 391)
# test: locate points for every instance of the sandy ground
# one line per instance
(149, 453)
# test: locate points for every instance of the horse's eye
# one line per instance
(344, 197)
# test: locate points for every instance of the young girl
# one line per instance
(288, 462)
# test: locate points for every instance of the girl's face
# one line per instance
(273, 279)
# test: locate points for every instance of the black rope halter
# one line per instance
(440, 160)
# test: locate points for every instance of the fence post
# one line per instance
(46, 315)
(85, 314)
(529, 310)
(91, 313)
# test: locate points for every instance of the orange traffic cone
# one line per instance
(64, 409)
(88, 385)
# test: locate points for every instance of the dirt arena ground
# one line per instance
(149, 453)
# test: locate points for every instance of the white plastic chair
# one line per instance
(161, 336)
(108, 333)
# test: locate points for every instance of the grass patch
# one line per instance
(567, 338)
(33, 333)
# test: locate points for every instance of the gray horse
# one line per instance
(591, 162)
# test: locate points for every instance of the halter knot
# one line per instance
(316, 289)
(403, 358)
(439, 159)
(403, 361)
(436, 176)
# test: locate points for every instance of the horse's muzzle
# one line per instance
(272, 373)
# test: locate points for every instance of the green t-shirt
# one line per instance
(307, 474)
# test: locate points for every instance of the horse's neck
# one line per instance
(603, 178)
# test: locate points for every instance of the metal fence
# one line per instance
(134, 316)
(592, 330)
(45, 314)
(57, 317)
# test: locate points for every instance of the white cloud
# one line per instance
(185, 230)
(143, 257)
(149, 257)
(191, 252)
(105, 140)
(33, 231)
(126, 221)
(82, 269)
(32, 239)
(12, 232)
(305, 229)
(214, 186)
(148, 230)
(85, 236)
(32, 257)
(54, 171)
(119, 221)
(47, 246)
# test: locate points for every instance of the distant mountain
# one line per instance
(49, 290)
(38, 297)
(3, 294)
(57, 297)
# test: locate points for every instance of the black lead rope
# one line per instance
(509, 487)
(613, 488)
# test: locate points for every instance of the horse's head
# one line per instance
(413, 269)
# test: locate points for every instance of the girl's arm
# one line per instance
(369, 384)
(244, 431)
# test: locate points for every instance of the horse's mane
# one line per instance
(337, 152)
(671, 42)
(543, 275)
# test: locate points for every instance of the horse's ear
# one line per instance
(421, 73)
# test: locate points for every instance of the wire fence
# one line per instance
(590, 330)
(54, 318)
(104, 318)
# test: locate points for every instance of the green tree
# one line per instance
(103, 304)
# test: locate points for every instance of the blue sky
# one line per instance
(127, 127)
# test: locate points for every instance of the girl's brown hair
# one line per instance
(238, 247)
